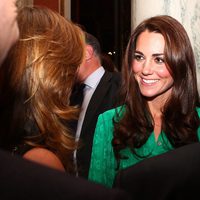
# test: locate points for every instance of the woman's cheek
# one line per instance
(163, 72)
(136, 67)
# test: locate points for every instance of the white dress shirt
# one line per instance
(91, 83)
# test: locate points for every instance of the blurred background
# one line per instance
(108, 20)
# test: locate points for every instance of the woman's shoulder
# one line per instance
(112, 113)
(44, 157)
(105, 123)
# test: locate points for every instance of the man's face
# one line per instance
(82, 71)
(86, 67)
(9, 31)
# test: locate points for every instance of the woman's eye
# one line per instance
(138, 57)
(159, 60)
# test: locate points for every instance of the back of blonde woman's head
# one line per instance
(50, 47)
(42, 70)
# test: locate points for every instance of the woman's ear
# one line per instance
(89, 52)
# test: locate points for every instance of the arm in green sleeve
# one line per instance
(103, 164)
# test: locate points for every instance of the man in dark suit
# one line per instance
(100, 94)
(173, 175)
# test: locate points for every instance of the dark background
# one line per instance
(108, 20)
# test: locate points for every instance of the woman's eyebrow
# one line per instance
(139, 52)
(158, 54)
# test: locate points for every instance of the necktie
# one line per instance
(77, 95)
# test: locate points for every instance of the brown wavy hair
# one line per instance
(179, 117)
(41, 70)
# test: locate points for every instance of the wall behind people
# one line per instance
(108, 63)
(185, 11)
(109, 21)
(63, 7)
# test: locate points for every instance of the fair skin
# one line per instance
(44, 157)
(151, 73)
(8, 22)
(90, 63)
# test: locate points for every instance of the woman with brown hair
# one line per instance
(160, 100)
(38, 77)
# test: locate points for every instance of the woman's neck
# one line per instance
(157, 126)
(156, 112)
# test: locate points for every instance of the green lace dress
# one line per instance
(103, 163)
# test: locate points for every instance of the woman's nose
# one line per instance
(147, 67)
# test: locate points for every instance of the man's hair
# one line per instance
(93, 41)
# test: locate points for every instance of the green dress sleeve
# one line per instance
(198, 130)
(103, 163)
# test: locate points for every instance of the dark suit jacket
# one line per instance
(24, 180)
(103, 99)
(173, 175)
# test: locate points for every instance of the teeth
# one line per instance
(150, 81)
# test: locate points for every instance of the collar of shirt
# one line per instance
(94, 78)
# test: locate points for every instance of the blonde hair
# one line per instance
(43, 67)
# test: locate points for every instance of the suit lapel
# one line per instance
(97, 98)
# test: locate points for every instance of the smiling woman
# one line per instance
(150, 70)
(160, 100)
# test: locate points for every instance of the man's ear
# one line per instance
(89, 52)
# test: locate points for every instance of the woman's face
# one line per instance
(149, 66)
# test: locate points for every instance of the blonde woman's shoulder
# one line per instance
(44, 157)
